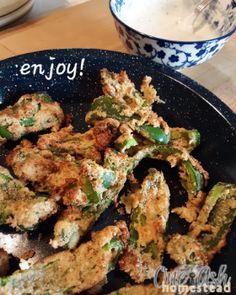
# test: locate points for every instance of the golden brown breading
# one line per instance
(122, 101)
(185, 250)
(20, 207)
(88, 145)
(75, 222)
(87, 186)
(150, 210)
(71, 271)
(194, 179)
(31, 113)
(192, 207)
(77, 183)
(116, 85)
(31, 164)
(70, 227)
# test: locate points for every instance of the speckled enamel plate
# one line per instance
(187, 104)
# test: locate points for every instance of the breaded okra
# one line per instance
(31, 113)
(70, 272)
(184, 138)
(140, 127)
(149, 208)
(77, 183)
(215, 218)
(207, 235)
(32, 165)
(20, 207)
(88, 145)
(75, 222)
(121, 101)
(193, 178)
(184, 249)
(45, 170)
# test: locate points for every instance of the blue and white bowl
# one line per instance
(219, 16)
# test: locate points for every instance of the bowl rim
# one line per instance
(168, 40)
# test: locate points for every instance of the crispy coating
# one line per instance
(20, 207)
(119, 85)
(207, 234)
(194, 179)
(45, 170)
(192, 207)
(77, 183)
(70, 227)
(31, 113)
(185, 250)
(75, 222)
(31, 164)
(87, 186)
(71, 271)
(215, 218)
(150, 210)
(87, 145)
(184, 138)
(127, 103)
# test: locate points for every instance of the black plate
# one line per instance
(187, 105)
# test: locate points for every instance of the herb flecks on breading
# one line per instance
(71, 271)
(20, 207)
(149, 208)
(123, 102)
(207, 234)
(31, 113)
(82, 145)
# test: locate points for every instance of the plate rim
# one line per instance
(209, 97)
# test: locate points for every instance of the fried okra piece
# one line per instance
(149, 208)
(20, 207)
(88, 187)
(77, 183)
(207, 235)
(140, 290)
(70, 272)
(121, 101)
(184, 250)
(164, 152)
(215, 218)
(119, 85)
(32, 165)
(72, 224)
(184, 138)
(193, 178)
(220, 219)
(82, 145)
(43, 169)
(75, 222)
(31, 113)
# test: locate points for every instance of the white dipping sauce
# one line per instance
(167, 19)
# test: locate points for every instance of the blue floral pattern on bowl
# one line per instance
(175, 54)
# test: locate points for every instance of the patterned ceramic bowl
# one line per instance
(142, 34)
